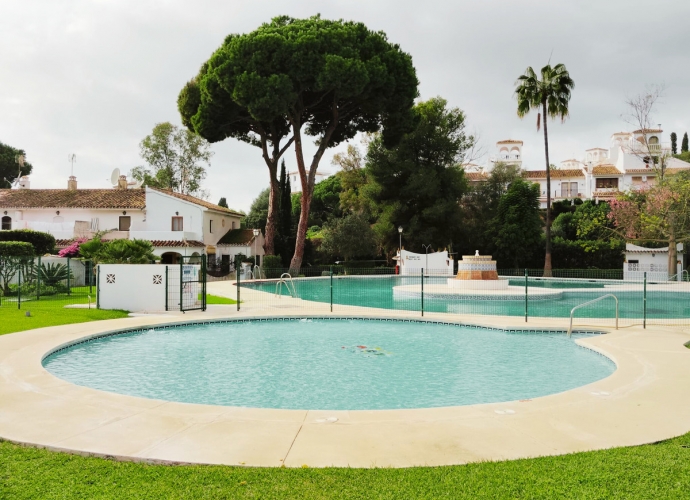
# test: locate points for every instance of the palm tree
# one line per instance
(550, 96)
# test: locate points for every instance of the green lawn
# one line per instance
(659, 470)
(216, 299)
(653, 471)
(51, 311)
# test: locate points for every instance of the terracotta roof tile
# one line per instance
(196, 201)
(476, 176)
(605, 194)
(237, 237)
(510, 141)
(647, 171)
(61, 243)
(78, 198)
(605, 170)
(555, 174)
(177, 243)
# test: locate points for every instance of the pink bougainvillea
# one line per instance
(73, 249)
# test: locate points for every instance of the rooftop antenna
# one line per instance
(72, 158)
(19, 159)
(115, 177)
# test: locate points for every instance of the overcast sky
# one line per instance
(94, 77)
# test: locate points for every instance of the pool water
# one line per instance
(378, 292)
(331, 364)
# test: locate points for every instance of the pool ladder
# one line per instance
(290, 285)
(572, 311)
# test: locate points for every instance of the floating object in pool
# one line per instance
(361, 346)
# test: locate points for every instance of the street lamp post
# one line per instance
(256, 233)
(400, 245)
(426, 258)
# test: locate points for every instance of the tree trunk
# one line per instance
(305, 201)
(547, 258)
(307, 180)
(672, 257)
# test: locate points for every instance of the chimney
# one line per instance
(24, 183)
(122, 182)
(72, 183)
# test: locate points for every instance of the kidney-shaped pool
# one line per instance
(331, 364)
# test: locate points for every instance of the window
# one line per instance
(607, 183)
(6, 223)
(210, 226)
(569, 189)
(125, 222)
(177, 223)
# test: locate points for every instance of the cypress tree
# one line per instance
(284, 239)
(223, 202)
(674, 143)
(684, 145)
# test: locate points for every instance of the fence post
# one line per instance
(181, 283)
(68, 281)
(331, 288)
(644, 302)
(422, 291)
(166, 287)
(526, 295)
(203, 286)
(90, 274)
(38, 279)
(19, 288)
(237, 274)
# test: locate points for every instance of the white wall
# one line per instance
(437, 263)
(161, 208)
(62, 226)
(134, 287)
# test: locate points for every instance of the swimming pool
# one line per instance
(331, 364)
(377, 291)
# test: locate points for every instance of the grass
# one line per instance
(216, 299)
(51, 311)
(659, 470)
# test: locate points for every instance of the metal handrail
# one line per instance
(253, 271)
(288, 284)
(570, 328)
(683, 274)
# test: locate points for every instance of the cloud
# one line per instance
(94, 77)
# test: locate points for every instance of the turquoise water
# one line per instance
(331, 364)
(378, 292)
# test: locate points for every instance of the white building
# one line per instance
(652, 261)
(296, 183)
(176, 224)
(600, 174)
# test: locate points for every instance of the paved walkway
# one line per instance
(645, 400)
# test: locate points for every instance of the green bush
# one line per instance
(53, 274)
(42, 243)
(272, 266)
(30, 290)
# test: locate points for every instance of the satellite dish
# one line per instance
(115, 176)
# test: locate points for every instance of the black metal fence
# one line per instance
(59, 280)
(518, 294)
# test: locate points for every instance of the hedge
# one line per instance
(16, 249)
(42, 243)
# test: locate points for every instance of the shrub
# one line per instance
(73, 249)
(53, 274)
(272, 266)
(13, 255)
(42, 243)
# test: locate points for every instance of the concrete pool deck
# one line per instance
(645, 400)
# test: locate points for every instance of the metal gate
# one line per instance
(185, 284)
